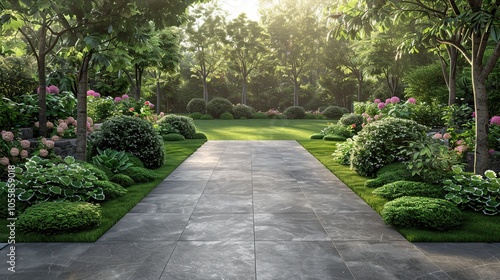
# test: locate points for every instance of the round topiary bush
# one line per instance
(196, 115)
(399, 189)
(390, 177)
(200, 135)
(219, 106)
(260, 116)
(317, 136)
(196, 105)
(378, 143)
(140, 175)
(295, 112)
(59, 217)
(111, 190)
(243, 111)
(226, 116)
(422, 212)
(173, 137)
(122, 180)
(184, 125)
(207, 117)
(334, 137)
(333, 112)
(353, 120)
(133, 135)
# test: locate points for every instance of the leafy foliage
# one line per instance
(355, 121)
(338, 129)
(15, 77)
(15, 115)
(111, 190)
(241, 110)
(295, 112)
(173, 137)
(59, 217)
(217, 106)
(474, 191)
(196, 115)
(100, 109)
(389, 177)
(115, 161)
(41, 180)
(334, 137)
(199, 135)
(422, 212)
(206, 117)
(343, 152)
(317, 136)
(197, 105)
(133, 135)
(59, 106)
(182, 124)
(122, 180)
(399, 189)
(226, 116)
(334, 112)
(140, 175)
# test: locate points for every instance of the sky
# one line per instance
(236, 7)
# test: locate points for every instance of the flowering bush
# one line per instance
(271, 113)
(494, 134)
(378, 143)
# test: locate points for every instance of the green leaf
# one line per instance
(65, 180)
(69, 160)
(25, 196)
(56, 190)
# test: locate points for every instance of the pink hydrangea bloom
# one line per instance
(89, 120)
(24, 154)
(495, 120)
(4, 161)
(125, 96)
(47, 90)
(376, 117)
(412, 100)
(459, 142)
(388, 101)
(55, 138)
(50, 125)
(93, 93)
(395, 99)
(49, 144)
(460, 149)
(491, 151)
(63, 126)
(438, 136)
(377, 101)
(473, 114)
(446, 136)
(44, 153)
(37, 124)
(14, 152)
(60, 130)
(381, 105)
(69, 120)
(131, 109)
(25, 144)
(118, 99)
(8, 136)
(162, 114)
(53, 89)
(147, 103)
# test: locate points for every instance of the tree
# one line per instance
(246, 48)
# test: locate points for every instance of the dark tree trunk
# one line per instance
(81, 128)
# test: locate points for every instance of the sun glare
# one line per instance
(236, 7)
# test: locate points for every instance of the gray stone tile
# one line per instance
(180, 187)
(224, 203)
(121, 260)
(183, 175)
(232, 187)
(313, 175)
(355, 227)
(324, 187)
(211, 260)
(272, 175)
(231, 175)
(338, 203)
(235, 164)
(263, 187)
(289, 227)
(219, 227)
(167, 203)
(281, 203)
(299, 260)
(387, 260)
(147, 227)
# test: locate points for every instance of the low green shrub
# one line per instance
(294, 112)
(337, 129)
(333, 112)
(134, 160)
(422, 212)
(398, 189)
(115, 161)
(207, 117)
(196, 115)
(184, 125)
(226, 116)
(317, 136)
(59, 217)
(111, 190)
(396, 166)
(199, 135)
(196, 105)
(141, 175)
(260, 116)
(122, 180)
(390, 177)
(334, 137)
(217, 106)
(342, 153)
(98, 172)
(173, 137)
(355, 121)
(243, 111)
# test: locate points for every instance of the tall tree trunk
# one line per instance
(244, 92)
(360, 86)
(138, 81)
(158, 93)
(81, 116)
(205, 88)
(295, 91)
(452, 78)
(42, 84)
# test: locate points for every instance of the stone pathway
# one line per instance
(253, 210)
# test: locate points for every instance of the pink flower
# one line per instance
(74, 123)
(491, 151)
(63, 126)
(118, 99)
(473, 114)
(369, 120)
(162, 114)
(4, 161)
(381, 105)
(60, 130)
(438, 136)
(388, 101)
(376, 117)
(49, 144)
(44, 153)
(495, 120)
(55, 138)
(69, 120)
(53, 89)
(131, 109)
(460, 149)
(124, 96)
(93, 93)
(46, 90)
(459, 142)
(14, 152)
(8, 136)
(412, 100)
(25, 144)
(147, 103)
(37, 124)
(44, 140)
(24, 154)
(353, 125)
(446, 136)
(377, 101)
(395, 99)
(89, 120)
(50, 125)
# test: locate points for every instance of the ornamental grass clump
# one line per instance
(378, 143)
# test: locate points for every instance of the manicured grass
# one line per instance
(260, 129)
(477, 228)
(114, 210)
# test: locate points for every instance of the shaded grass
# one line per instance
(115, 209)
(477, 227)
(260, 129)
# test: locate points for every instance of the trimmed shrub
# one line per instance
(397, 166)
(333, 112)
(140, 175)
(122, 180)
(334, 137)
(196, 115)
(199, 135)
(111, 190)
(98, 172)
(173, 137)
(399, 189)
(422, 212)
(340, 130)
(219, 106)
(317, 136)
(134, 160)
(207, 117)
(390, 177)
(379, 143)
(355, 121)
(59, 217)
(294, 112)
(196, 105)
(133, 135)
(184, 125)
(260, 116)
(243, 111)
(226, 116)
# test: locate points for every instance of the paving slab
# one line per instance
(252, 210)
